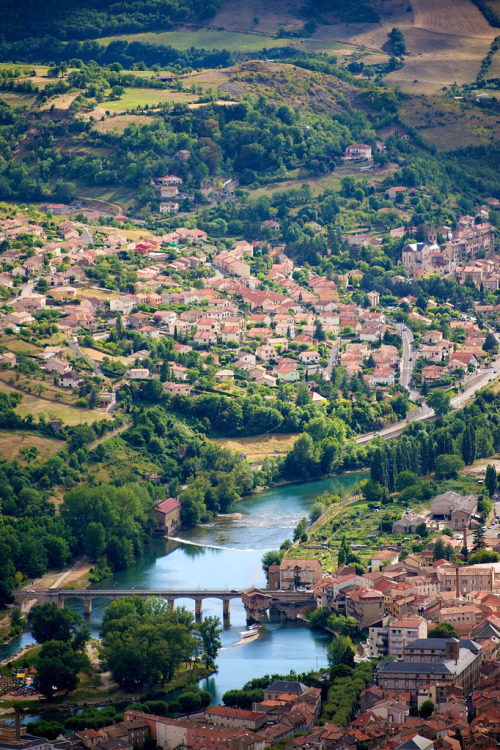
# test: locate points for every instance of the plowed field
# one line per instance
(455, 17)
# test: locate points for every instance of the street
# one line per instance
(408, 360)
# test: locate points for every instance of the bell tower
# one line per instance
(432, 236)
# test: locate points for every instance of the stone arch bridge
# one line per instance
(256, 601)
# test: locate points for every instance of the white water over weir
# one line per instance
(212, 546)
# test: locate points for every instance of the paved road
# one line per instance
(332, 359)
(95, 366)
(409, 356)
(424, 412)
(27, 289)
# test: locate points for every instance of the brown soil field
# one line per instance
(455, 17)
(12, 442)
(494, 71)
(436, 60)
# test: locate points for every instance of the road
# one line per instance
(86, 236)
(424, 412)
(332, 358)
(408, 360)
(27, 289)
(96, 367)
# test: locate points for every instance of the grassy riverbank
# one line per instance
(95, 687)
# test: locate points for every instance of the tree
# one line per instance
(317, 510)
(377, 467)
(479, 542)
(490, 342)
(426, 709)
(440, 402)
(49, 623)
(340, 651)
(302, 461)
(345, 552)
(303, 395)
(448, 465)
(319, 333)
(439, 549)
(145, 643)
(443, 630)
(469, 444)
(484, 556)
(490, 480)
(58, 666)
(271, 557)
(209, 631)
(94, 541)
(422, 530)
(398, 42)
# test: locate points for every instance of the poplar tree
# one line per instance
(490, 480)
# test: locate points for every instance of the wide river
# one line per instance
(260, 523)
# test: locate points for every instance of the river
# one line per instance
(261, 522)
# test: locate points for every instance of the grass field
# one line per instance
(204, 39)
(18, 100)
(317, 186)
(257, 448)
(134, 97)
(12, 442)
(98, 356)
(52, 410)
(120, 122)
(449, 123)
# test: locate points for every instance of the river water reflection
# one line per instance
(260, 523)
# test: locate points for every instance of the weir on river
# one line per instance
(263, 522)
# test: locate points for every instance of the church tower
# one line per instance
(432, 236)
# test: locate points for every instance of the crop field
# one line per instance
(204, 39)
(13, 442)
(494, 71)
(438, 60)
(455, 17)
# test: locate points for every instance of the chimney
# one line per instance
(18, 725)
(453, 649)
(465, 536)
(457, 584)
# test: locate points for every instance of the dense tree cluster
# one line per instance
(443, 447)
(144, 643)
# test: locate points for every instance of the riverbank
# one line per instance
(96, 688)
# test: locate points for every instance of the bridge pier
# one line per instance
(198, 608)
(226, 612)
(60, 602)
(171, 605)
(87, 607)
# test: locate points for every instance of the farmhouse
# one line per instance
(358, 151)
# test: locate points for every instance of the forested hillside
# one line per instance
(89, 19)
